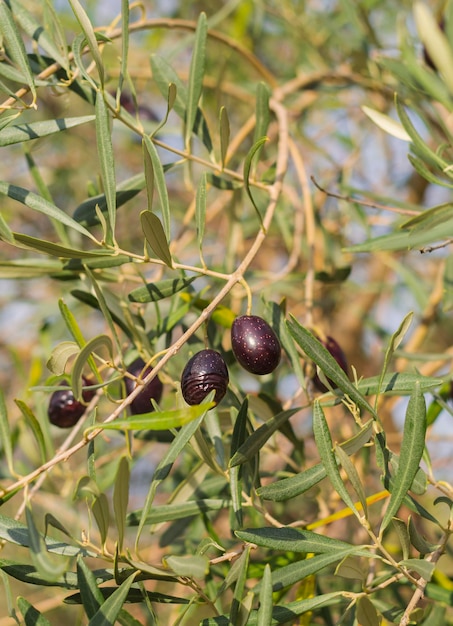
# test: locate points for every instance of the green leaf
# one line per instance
(90, 36)
(262, 113)
(85, 213)
(264, 616)
(247, 169)
(200, 210)
(153, 292)
(155, 236)
(412, 447)
(32, 617)
(236, 604)
(154, 173)
(366, 612)
(395, 341)
(171, 512)
(295, 540)
(25, 132)
(121, 498)
(436, 43)
(46, 566)
(326, 362)
(325, 449)
(259, 437)
(92, 346)
(224, 134)
(403, 536)
(156, 420)
(386, 123)
(196, 73)
(107, 163)
(100, 508)
(422, 567)
(90, 594)
(5, 434)
(60, 355)
(35, 428)
(353, 476)
(15, 46)
(108, 612)
(190, 566)
(41, 205)
(15, 532)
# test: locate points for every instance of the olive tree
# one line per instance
(222, 406)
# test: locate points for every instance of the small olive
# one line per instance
(204, 372)
(64, 410)
(153, 391)
(255, 345)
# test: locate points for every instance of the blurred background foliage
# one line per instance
(348, 182)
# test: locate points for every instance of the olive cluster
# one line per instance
(256, 348)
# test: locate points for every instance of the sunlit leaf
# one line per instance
(121, 498)
(155, 236)
(386, 123)
(24, 132)
(153, 292)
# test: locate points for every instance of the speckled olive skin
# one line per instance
(339, 356)
(205, 371)
(142, 403)
(255, 345)
(64, 410)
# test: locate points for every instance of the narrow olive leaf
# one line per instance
(83, 358)
(200, 210)
(236, 487)
(5, 434)
(326, 362)
(121, 498)
(295, 540)
(101, 296)
(426, 173)
(264, 616)
(155, 236)
(31, 615)
(295, 572)
(52, 37)
(35, 428)
(100, 509)
(85, 213)
(412, 447)
(108, 612)
(171, 512)
(165, 75)
(41, 205)
(149, 175)
(239, 588)
(90, 594)
(25, 132)
(45, 565)
(420, 482)
(435, 41)
(196, 74)
(156, 175)
(259, 437)
(17, 533)
(153, 292)
(366, 613)
(262, 111)
(6, 234)
(403, 535)
(90, 36)
(52, 249)
(107, 163)
(276, 317)
(171, 99)
(353, 476)
(325, 448)
(125, 16)
(221, 182)
(423, 567)
(12, 40)
(26, 573)
(166, 463)
(386, 123)
(60, 355)
(418, 541)
(394, 343)
(191, 566)
(224, 133)
(247, 169)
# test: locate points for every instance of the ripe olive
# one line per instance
(339, 356)
(204, 372)
(64, 410)
(255, 345)
(152, 391)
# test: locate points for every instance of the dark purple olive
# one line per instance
(152, 391)
(204, 372)
(339, 356)
(64, 410)
(255, 345)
